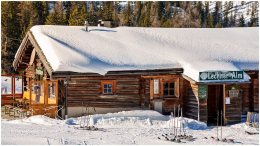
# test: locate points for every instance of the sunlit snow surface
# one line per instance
(126, 127)
(71, 48)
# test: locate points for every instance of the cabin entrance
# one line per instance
(44, 97)
(215, 104)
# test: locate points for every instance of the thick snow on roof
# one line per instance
(71, 48)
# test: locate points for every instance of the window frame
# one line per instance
(169, 88)
(113, 88)
(176, 90)
(162, 80)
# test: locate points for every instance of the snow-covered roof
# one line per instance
(71, 48)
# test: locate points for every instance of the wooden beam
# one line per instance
(39, 52)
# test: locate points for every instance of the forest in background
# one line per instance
(19, 16)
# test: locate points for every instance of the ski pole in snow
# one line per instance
(217, 123)
(171, 122)
(221, 124)
(174, 120)
(178, 120)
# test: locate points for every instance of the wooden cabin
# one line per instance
(115, 69)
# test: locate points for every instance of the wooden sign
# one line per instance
(203, 91)
(219, 75)
(39, 71)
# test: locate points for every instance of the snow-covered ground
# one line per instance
(127, 127)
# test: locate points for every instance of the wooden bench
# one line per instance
(8, 109)
(21, 112)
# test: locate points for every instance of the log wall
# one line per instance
(190, 99)
(250, 93)
(247, 98)
(87, 92)
(255, 83)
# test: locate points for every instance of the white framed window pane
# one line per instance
(156, 86)
(18, 85)
(105, 90)
(52, 93)
(6, 85)
(38, 93)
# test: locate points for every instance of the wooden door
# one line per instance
(44, 97)
(215, 103)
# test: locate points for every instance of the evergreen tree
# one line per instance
(160, 6)
(137, 12)
(67, 9)
(167, 19)
(233, 21)
(146, 19)
(78, 14)
(210, 21)
(115, 17)
(127, 15)
(155, 15)
(25, 15)
(226, 13)
(83, 13)
(10, 34)
(217, 14)
(201, 12)
(40, 12)
(253, 18)
(242, 21)
(108, 10)
(206, 14)
(100, 10)
(167, 14)
(92, 18)
(57, 17)
(74, 15)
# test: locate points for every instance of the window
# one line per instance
(164, 87)
(108, 86)
(233, 93)
(168, 88)
(156, 86)
(18, 85)
(107, 89)
(52, 92)
(6, 85)
(37, 93)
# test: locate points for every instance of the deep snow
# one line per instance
(126, 127)
(71, 48)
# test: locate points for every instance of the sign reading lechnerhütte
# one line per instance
(219, 75)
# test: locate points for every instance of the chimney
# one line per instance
(86, 25)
